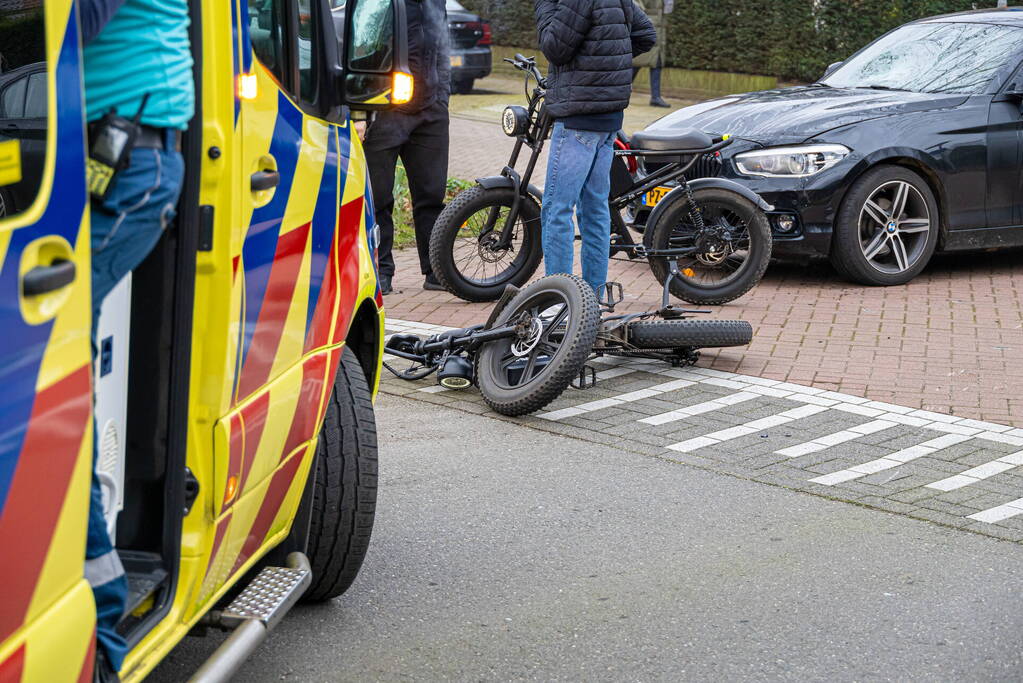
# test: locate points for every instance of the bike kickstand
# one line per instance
(587, 378)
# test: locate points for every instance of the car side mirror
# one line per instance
(1014, 94)
(370, 67)
(831, 69)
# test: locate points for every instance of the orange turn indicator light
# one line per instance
(232, 488)
(402, 87)
(248, 86)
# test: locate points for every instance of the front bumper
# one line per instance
(475, 62)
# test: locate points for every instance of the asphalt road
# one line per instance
(501, 553)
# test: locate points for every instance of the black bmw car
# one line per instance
(470, 47)
(914, 144)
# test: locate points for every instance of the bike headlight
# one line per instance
(790, 162)
(515, 120)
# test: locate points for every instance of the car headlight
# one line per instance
(790, 162)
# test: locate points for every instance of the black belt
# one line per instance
(156, 138)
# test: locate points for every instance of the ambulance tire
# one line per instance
(345, 489)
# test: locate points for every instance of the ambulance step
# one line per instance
(269, 597)
(252, 615)
(146, 575)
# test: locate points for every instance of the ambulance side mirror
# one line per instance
(371, 71)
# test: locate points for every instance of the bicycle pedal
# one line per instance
(611, 294)
(587, 378)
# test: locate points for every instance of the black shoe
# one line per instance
(385, 284)
(431, 284)
(659, 102)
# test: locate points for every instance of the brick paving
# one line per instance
(949, 342)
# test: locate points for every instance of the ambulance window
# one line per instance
(308, 44)
(24, 133)
(266, 28)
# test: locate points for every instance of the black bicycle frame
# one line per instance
(468, 339)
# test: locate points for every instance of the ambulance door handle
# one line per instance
(265, 180)
(46, 279)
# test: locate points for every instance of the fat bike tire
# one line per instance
(717, 204)
(452, 232)
(570, 342)
(692, 334)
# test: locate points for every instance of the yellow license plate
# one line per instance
(655, 195)
(456, 60)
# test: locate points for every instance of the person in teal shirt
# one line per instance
(135, 51)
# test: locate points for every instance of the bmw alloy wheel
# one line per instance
(894, 227)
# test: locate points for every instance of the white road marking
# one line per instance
(690, 445)
(997, 514)
(699, 408)
(979, 473)
(836, 438)
(629, 397)
(891, 461)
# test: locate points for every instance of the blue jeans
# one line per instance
(578, 177)
(126, 226)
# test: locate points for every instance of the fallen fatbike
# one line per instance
(538, 341)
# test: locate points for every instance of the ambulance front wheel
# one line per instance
(344, 494)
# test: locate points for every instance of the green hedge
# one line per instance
(22, 39)
(790, 39)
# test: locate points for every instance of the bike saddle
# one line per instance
(671, 140)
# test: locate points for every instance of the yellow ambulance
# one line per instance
(236, 367)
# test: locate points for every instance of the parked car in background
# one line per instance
(23, 118)
(470, 47)
(912, 145)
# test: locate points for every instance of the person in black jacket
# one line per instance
(418, 133)
(590, 45)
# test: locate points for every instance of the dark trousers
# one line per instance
(421, 141)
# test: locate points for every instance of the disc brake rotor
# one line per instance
(528, 340)
(715, 245)
(489, 250)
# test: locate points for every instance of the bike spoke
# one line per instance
(557, 320)
(527, 372)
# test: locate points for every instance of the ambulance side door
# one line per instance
(47, 615)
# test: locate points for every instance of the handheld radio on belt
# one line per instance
(112, 139)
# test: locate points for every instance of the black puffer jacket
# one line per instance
(590, 45)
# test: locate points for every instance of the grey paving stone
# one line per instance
(940, 468)
(997, 531)
(913, 495)
(887, 504)
(757, 462)
(441, 398)
(945, 518)
(948, 508)
(477, 408)
(968, 495)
